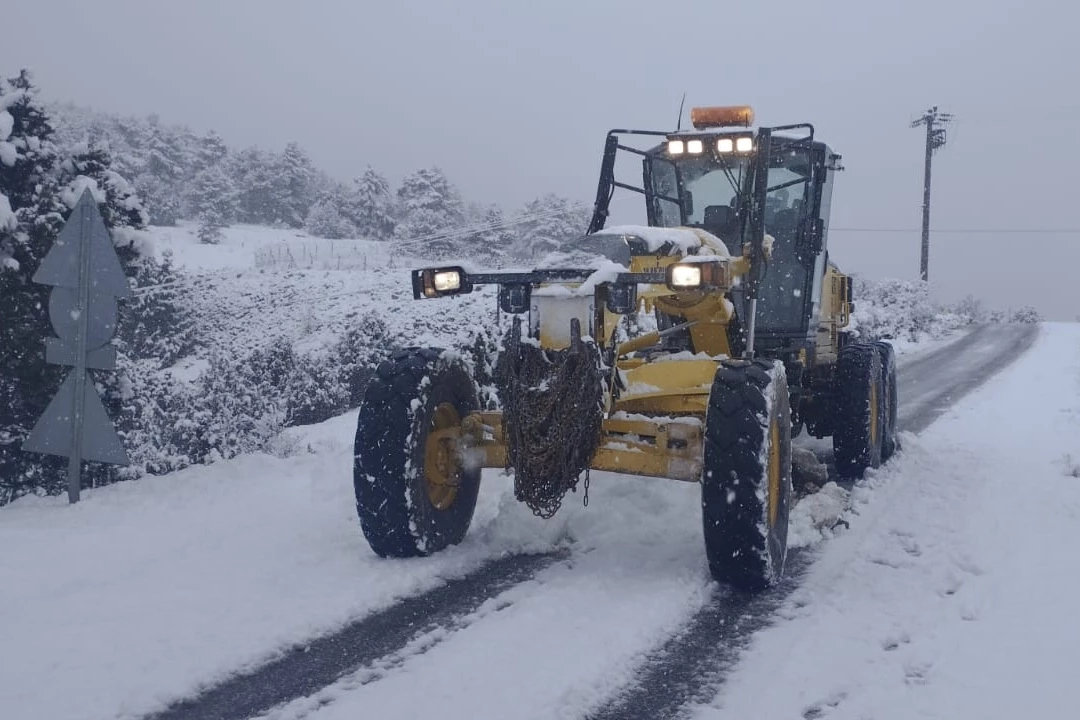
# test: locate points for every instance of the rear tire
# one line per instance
(889, 443)
(859, 417)
(746, 478)
(403, 513)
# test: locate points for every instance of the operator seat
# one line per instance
(720, 221)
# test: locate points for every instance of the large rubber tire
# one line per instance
(889, 442)
(859, 416)
(397, 514)
(746, 479)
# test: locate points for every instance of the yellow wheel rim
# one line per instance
(874, 430)
(442, 458)
(775, 473)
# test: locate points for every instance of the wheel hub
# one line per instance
(442, 457)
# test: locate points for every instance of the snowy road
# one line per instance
(228, 567)
(566, 642)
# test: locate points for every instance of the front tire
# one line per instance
(414, 494)
(746, 479)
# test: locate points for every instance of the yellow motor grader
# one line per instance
(746, 344)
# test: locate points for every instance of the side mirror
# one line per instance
(687, 203)
(621, 298)
(514, 298)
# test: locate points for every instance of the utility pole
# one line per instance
(935, 138)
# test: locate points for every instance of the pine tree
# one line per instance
(254, 173)
(550, 223)
(293, 191)
(121, 206)
(370, 207)
(161, 200)
(213, 199)
(431, 209)
(212, 150)
(493, 241)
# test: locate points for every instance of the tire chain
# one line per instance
(552, 404)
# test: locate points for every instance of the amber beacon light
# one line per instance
(722, 116)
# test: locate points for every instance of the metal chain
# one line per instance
(552, 404)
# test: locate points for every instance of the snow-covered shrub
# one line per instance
(364, 345)
(316, 390)
(900, 310)
(970, 308)
(326, 221)
(1026, 314)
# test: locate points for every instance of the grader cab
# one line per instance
(709, 338)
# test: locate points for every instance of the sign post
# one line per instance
(87, 279)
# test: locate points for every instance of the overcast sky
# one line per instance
(512, 100)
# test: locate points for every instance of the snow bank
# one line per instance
(952, 594)
(901, 311)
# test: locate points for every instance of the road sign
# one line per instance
(87, 278)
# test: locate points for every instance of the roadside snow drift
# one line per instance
(954, 593)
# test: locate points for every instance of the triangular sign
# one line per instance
(60, 267)
(52, 433)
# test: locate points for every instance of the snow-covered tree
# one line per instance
(213, 198)
(325, 220)
(121, 206)
(550, 223)
(370, 206)
(431, 207)
(212, 150)
(492, 241)
(293, 191)
(162, 202)
(253, 172)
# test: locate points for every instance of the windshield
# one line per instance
(710, 187)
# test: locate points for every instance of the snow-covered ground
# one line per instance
(145, 592)
(953, 595)
(952, 591)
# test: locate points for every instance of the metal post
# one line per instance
(83, 310)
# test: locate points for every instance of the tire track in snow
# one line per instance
(307, 668)
(692, 664)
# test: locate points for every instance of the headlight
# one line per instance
(447, 280)
(705, 275)
(725, 145)
(744, 144)
(676, 147)
(684, 276)
(695, 147)
(440, 281)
